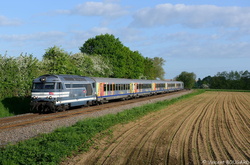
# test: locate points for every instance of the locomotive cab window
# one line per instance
(59, 86)
(46, 85)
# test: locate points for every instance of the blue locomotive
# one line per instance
(52, 93)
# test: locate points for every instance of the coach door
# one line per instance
(153, 87)
(131, 87)
(101, 89)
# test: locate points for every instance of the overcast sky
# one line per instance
(204, 37)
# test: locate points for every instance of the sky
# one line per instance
(204, 37)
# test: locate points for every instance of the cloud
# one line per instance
(34, 43)
(207, 50)
(4, 21)
(193, 45)
(193, 16)
(106, 9)
(41, 36)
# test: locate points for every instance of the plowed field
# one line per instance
(211, 128)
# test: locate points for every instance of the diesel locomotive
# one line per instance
(53, 93)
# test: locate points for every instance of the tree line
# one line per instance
(101, 56)
(226, 80)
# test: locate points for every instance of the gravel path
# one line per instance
(23, 133)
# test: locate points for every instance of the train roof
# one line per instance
(61, 77)
(112, 80)
(76, 78)
(127, 81)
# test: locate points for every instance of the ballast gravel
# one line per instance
(27, 132)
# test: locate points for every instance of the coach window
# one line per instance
(108, 87)
(105, 87)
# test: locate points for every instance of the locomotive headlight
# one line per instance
(35, 97)
(50, 97)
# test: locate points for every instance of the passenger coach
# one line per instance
(51, 93)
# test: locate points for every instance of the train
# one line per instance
(54, 93)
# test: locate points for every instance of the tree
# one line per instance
(158, 63)
(187, 78)
(95, 65)
(28, 69)
(219, 82)
(149, 69)
(230, 80)
(16, 75)
(125, 63)
(245, 78)
(110, 48)
(198, 83)
(153, 68)
(57, 61)
(134, 64)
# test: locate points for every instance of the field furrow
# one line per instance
(205, 129)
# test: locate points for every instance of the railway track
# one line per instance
(25, 120)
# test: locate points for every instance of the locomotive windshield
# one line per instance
(47, 85)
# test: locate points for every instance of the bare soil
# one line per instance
(211, 128)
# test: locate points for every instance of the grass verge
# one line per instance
(52, 148)
(227, 90)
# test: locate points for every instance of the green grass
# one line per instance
(4, 112)
(52, 148)
(227, 90)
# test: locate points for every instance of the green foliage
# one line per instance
(158, 63)
(16, 75)
(125, 63)
(54, 147)
(227, 80)
(57, 61)
(227, 90)
(149, 69)
(110, 48)
(187, 78)
(94, 65)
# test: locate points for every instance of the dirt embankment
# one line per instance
(211, 128)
